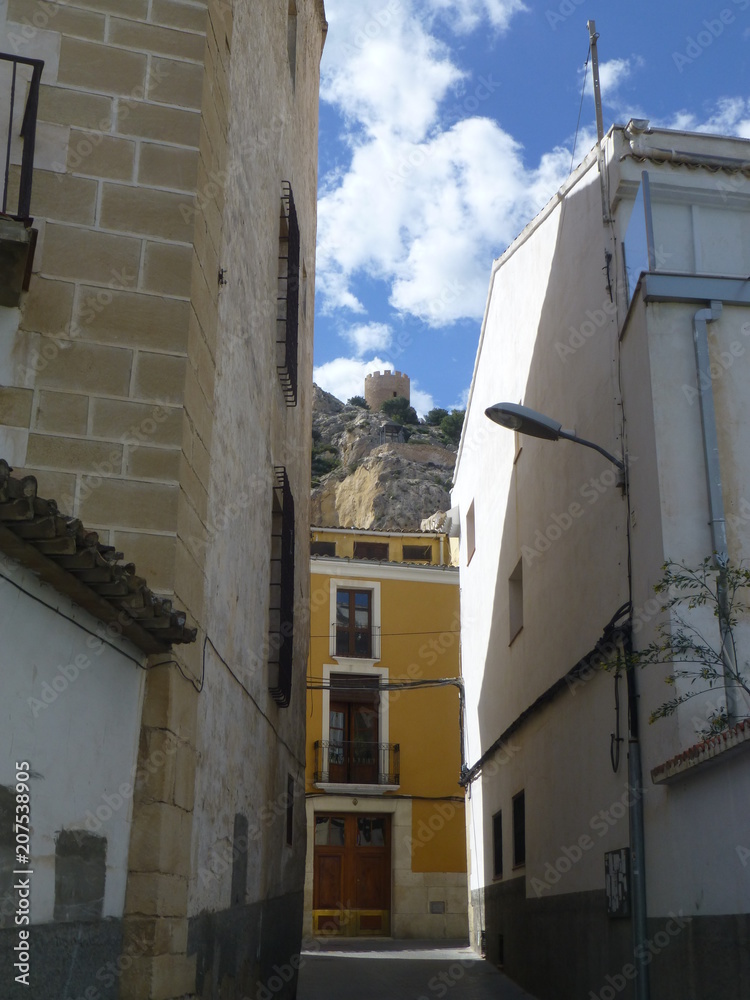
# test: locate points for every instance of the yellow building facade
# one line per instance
(385, 812)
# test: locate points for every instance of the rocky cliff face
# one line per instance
(367, 475)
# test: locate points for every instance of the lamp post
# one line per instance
(524, 420)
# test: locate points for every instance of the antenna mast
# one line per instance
(593, 37)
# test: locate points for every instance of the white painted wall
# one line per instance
(549, 340)
(70, 705)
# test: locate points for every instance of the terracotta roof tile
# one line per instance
(65, 554)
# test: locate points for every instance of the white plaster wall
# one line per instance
(561, 757)
(76, 722)
(542, 292)
(695, 828)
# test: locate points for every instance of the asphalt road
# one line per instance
(400, 970)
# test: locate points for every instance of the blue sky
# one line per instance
(445, 125)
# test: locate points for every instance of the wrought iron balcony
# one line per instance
(18, 119)
(20, 78)
(357, 763)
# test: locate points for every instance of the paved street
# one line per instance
(400, 970)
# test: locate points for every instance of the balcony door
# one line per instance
(354, 730)
(352, 875)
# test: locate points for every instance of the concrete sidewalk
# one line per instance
(378, 969)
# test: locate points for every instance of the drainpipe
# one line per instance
(636, 827)
(715, 496)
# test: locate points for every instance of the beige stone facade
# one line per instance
(140, 385)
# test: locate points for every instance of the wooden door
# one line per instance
(353, 755)
(352, 875)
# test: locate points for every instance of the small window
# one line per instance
(418, 553)
(291, 39)
(371, 550)
(519, 830)
(354, 623)
(497, 845)
(470, 543)
(330, 831)
(80, 873)
(238, 887)
(289, 809)
(281, 603)
(515, 600)
(322, 548)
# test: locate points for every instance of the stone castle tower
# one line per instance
(380, 386)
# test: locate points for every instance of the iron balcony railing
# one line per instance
(287, 319)
(357, 763)
(365, 644)
(18, 118)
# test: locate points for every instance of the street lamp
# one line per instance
(524, 420)
(527, 421)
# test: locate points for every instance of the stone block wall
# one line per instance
(98, 364)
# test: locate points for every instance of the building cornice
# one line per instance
(366, 569)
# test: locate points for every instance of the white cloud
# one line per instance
(467, 14)
(428, 217)
(731, 116)
(369, 337)
(345, 377)
(422, 207)
(420, 400)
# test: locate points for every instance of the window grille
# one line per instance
(287, 317)
(281, 622)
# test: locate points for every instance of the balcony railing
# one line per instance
(287, 321)
(20, 79)
(367, 646)
(357, 763)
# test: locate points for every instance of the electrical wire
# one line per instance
(250, 695)
(439, 631)
(73, 621)
(580, 108)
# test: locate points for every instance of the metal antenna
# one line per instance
(593, 36)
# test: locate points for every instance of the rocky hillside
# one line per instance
(363, 476)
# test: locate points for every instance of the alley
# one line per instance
(400, 970)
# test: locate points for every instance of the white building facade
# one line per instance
(560, 552)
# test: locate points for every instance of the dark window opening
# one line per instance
(354, 623)
(7, 856)
(418, 553)
(497, 845)
(291, 39)
(322, 548)
(281, 618)
(287, 317)
(239, 860)
(515, 601)
(80, 873)
(500, 950)
(289, 809)
(371, 550)
(519, 829)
